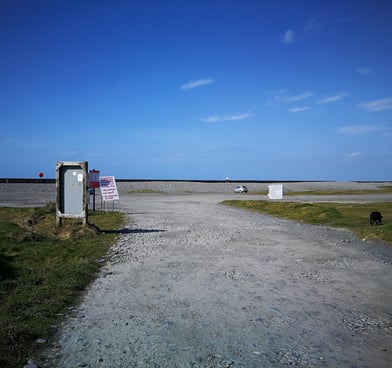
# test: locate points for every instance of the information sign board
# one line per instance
(93, 179)
(108, 188)
(275, 191)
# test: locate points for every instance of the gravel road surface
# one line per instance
(193, 283)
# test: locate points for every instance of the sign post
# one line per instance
(93, 177)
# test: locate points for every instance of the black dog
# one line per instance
(375, 218)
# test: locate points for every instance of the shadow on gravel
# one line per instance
(139, 231)
(124, 230)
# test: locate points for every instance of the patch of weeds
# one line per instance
(44, 269)
(381, 190)
(353, 216)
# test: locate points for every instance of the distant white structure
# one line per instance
(275, 191)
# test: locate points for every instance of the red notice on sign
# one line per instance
(108, 188)
(93, 179)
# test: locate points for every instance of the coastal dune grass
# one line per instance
(43, 270)
(352, 216)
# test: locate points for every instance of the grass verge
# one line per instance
(385, 189)
(353, 216)
(381, 190)
(43, 271)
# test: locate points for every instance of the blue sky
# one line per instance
(251, 89)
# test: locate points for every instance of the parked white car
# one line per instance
(241, 189)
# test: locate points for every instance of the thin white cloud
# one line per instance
(364, 70)
(354, 154)
(219, 118)
(299, 109)
(332, 98)
(211, 119)
(196, 83)
(283, 96)
(347, 19)
(358, 129)
(313, 24)
(288, 37)
(377, 105)
(313, 27)
(293, 98)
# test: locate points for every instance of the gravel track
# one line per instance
(192, 283)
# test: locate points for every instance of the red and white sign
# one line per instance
(93, 179)
(108, 188)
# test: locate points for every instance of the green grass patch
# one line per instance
(353, 216)
(381, 190)
(43, 270)
(385, 189)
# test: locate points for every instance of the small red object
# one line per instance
(41, 174)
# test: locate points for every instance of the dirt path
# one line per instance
(193, 283)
